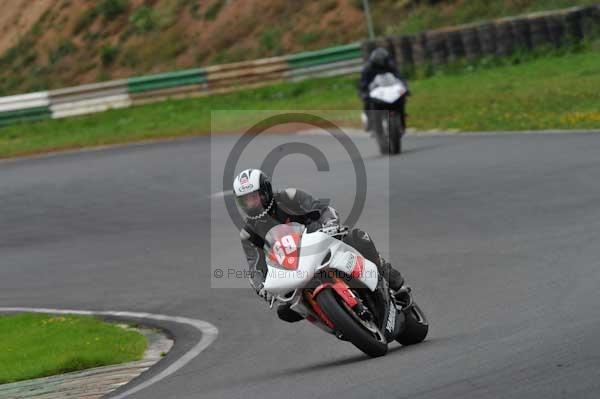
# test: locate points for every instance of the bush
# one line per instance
(14, 53)
(111, 9)
(64, 48)
(195, 11)
(91, 36)
(214, 9)
(307, 38)
(108, 54)
(328, 5)
(201, 56)
(270, 41)
(225, 57)
(28, 59)
(86, 19)
(182, 4)
(142, 19)
(131, 58)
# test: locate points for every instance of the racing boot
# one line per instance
(393, 276)
(400, 292)
(286, 313)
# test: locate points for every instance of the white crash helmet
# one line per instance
(253, 193)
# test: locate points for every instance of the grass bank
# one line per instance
(36, 345)
(64, 43)
(559, 91)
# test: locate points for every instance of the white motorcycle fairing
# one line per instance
(386, 88)
(314, 249)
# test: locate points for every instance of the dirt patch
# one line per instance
(17, 18)
(73, 37)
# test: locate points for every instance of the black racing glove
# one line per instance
(263, 293)
(313, 226)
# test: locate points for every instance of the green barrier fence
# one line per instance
(326, 56)
(166, 80)
(25, 115)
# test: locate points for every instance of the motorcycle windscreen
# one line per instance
(282, 245)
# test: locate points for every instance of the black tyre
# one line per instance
(395, 135)
(384, 146)
(416, 327)
(350, 326)
(401, 132)
(383, 139)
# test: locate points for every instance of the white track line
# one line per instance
(221, 194)
(461, 133)
(350, 132)
(209, 334)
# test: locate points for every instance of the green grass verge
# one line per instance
(37, 345)
(558, 91)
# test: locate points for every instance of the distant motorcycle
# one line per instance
(334, 287)
(387, 93)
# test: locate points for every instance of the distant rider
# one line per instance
(264, 209)
(380, 61)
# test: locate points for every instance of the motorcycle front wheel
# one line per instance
(365, 337)
(389, 131)
(396, 131)
(381, 132)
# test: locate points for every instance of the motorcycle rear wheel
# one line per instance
(348, 325)
(416, 326)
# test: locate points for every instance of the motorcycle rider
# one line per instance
(265, 208)
(380, 61)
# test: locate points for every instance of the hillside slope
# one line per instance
(48, 44)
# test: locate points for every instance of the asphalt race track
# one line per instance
(498, 234)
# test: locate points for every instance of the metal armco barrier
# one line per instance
(437, 47)
(214, 79)
(240, 73)
(88, 99)
(24, 107)
(332, 69)
(326, 56)
(166, 80)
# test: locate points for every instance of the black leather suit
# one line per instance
(294, 205)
